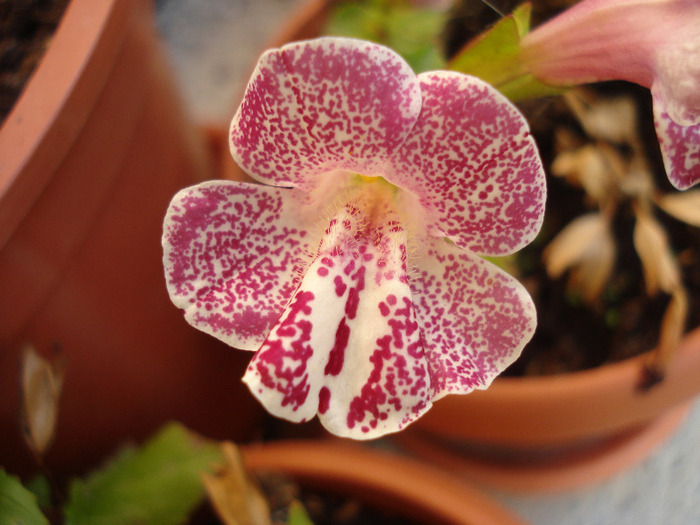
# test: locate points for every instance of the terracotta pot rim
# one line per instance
(554, 410)
(401, 483)
(626, 371)
(563, 471)
(36, 126)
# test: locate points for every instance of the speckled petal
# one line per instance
(473, 164)
(475, 318)
(680, 147)
(233, 258)
(316, 107)
(348, 348)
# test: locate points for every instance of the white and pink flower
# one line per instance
(654, 43)
(351, 270)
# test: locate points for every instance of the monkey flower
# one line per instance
(351, 270)
(655, 43)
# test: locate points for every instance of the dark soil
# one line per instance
(26, 29)
(625, 322)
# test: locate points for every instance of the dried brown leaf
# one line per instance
(683, 206)
(612, 119)
(587, 248)
(661, 271)
(587, 167)
(42, 381)
(672, 329)
(234, 495)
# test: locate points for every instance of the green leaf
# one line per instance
(522, 15)
(298, 515)
(494, 56)
(41, 488)
(412, 32)
(18, 506)
(526, 87)
(358, 20)
(159, 484)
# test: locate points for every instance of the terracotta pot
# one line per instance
(90, 156)
(562, 431)
(414, 490)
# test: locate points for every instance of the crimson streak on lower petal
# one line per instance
(281, 363)
(337, 355)
(368, 376)
(395, 377)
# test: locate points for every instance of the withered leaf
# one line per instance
(586, 247)
(42, 381)
(683, 206)
(661, 271)
(234, 495)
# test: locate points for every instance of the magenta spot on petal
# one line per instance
(340, 286)
(322, 271)
(354, 294)
(384, 309)
(336, 357)
(391, 299)
(349, 268)
(324, 399)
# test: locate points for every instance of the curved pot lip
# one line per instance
(562, 409)
(44, 122)
(623, 373)
(400, 483)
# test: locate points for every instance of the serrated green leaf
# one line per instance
(18, 506)
(159, 484)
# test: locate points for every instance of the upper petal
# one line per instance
(349, 347)
(473, 164)
(475, 318)
(233, 258)
(321, 105)
(680, 146)
(677, 67)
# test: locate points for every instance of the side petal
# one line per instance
(680, 146)
(475, 318)
(473, 164)
(233, 258)
(348, 347)
(323, 105)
